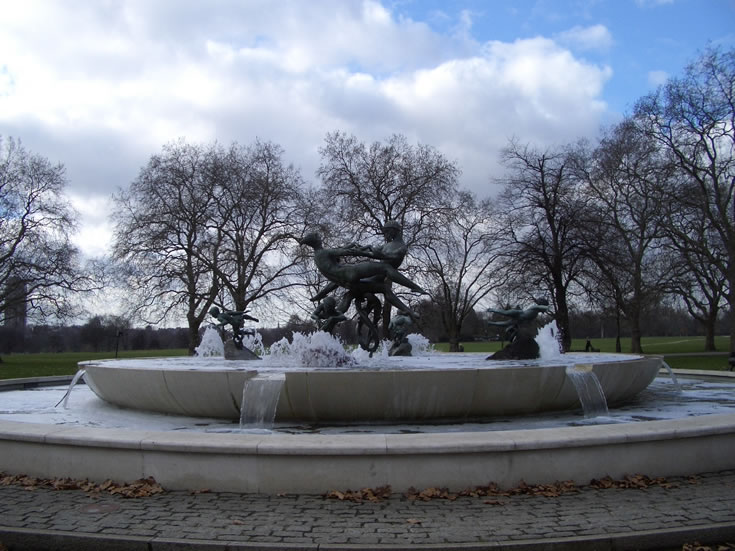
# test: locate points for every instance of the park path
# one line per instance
(664, 513)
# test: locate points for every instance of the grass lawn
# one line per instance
(711, 363)
(40, 365)
(15, 366)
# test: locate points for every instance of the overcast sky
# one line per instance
(101, 85)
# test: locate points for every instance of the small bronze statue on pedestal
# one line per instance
(520, 331)
(234, 349)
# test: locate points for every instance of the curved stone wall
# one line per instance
(354, 394)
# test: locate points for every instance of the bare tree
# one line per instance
(692, 118)
(369, 185)
(458, 263)
(208, 225)
(39, 267)
(541, 206)
(258, 209)
(626, 182)
(698, 257)
(162, 239)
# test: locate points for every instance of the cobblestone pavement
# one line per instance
(687, 510)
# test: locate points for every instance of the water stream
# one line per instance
(65, 399)
(588, 389)
(671, 373)
(260, 396)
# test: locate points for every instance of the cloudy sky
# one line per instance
(101, 85)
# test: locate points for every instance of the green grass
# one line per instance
(711, 363)
(15, 366)
(651, 345)
(482, 346)
(656, 345)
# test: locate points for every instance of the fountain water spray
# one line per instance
(548, 342)
(211, 345)
(312, 350)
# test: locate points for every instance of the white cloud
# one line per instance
(596, 37)
(95, 234)
(101, 87)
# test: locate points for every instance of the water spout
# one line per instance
(589, 390)
(259, 401)
(674, 380)
(65, 399)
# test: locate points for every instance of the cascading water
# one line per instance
(589, 390)
(259, 401)
(65, 400)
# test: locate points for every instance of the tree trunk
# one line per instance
(618, 348)
(193, 335)
(453, 344)
(635, 336)
(709, 333)
(453, 331)
(562, 323)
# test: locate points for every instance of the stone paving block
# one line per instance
(311, 521)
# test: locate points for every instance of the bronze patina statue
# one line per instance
(327, 316)
(362, 280)
(398, 329)
(234, 349)
(520, 331)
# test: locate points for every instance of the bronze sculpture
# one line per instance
(234, 349)
(518, 331)
(398, 329)
(362, 280)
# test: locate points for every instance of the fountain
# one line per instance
(315, 380)
(323, 384)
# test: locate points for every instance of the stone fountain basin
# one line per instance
(441, 386)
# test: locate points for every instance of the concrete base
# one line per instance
(317, 463)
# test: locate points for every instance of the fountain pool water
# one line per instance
(417, 396)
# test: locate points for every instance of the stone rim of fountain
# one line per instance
(420, 392)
